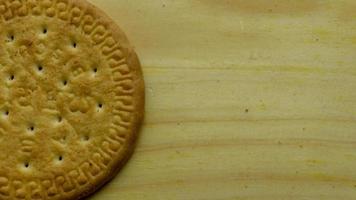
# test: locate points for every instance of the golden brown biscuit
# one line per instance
(71, 99)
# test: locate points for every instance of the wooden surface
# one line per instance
(246, 99)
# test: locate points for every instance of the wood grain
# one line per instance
(246, 99)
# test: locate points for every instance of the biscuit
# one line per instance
(71, 99)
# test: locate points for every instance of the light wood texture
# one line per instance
(246, 99)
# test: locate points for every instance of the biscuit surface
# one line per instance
(71, 99)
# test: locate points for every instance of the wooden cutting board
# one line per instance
(246, 99)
